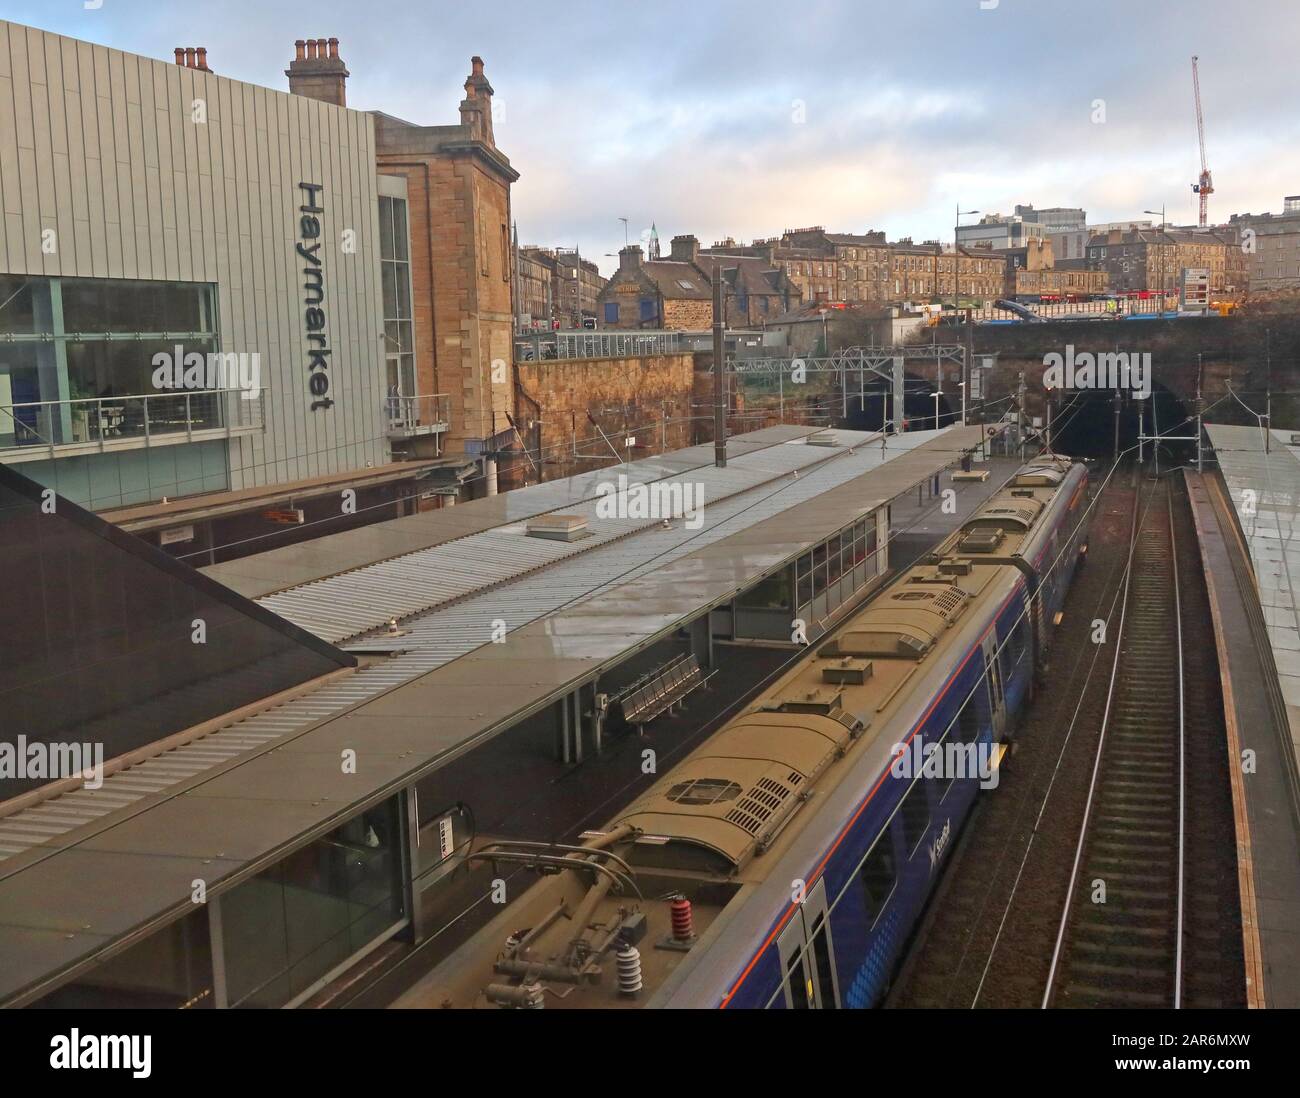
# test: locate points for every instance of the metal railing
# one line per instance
(541, 346)
(108, 422)
(1097, 308)
(418, 414)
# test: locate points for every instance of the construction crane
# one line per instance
(1205, 187)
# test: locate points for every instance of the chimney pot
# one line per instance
(180, 55)
(203, 58)
(317, 72)
(189, 57)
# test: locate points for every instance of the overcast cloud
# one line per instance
(685, 112)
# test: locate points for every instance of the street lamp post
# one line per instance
(956, 249)
(1162, 254)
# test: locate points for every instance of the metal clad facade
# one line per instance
(102, 147)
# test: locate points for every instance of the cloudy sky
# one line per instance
(741, 119)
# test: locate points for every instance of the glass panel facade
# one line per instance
(77, 358)
(288, 927)
(169, 970)
(835, 570)
(395, 276)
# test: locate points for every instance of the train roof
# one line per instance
(702, 827)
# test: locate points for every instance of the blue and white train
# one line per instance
(785, 862)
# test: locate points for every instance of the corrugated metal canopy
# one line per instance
(131, 870)
(292, 565)
(347, 605)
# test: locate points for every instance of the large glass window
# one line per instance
(772, 593)
(288, 927)
(77, 359)
(395, 276)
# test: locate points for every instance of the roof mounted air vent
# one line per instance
(1044, 477)
(558, 527)
(822, 438)
(850, 670)
(704, 791)
(882, 641)
(981, 541)
(822, 700)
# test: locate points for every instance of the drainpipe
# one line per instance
(523, 393)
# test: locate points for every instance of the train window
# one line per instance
(1018, 645)
(821, 948)
(944, 781)
(915, 815)
(878, 876)
(968, 720)
(797, 980)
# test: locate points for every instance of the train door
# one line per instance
(808, 955)
(997, 697)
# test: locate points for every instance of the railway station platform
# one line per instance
(1246, 522)
(261, 811)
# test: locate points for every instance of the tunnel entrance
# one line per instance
(1084, 423)
(870, 407)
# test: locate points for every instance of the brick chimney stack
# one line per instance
(476, 107)
(629, 258)
(685, 249)
(192, 57)
(318, 72)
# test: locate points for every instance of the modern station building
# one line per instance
(218, 310)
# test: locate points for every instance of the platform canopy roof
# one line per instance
(72, 887)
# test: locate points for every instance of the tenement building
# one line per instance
(1270, 245)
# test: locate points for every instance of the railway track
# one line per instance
(1090, 797)
(1120, 941)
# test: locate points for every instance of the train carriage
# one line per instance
(786, 861)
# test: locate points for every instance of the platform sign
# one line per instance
(446, 840)
(1195, 288)
(175, 534)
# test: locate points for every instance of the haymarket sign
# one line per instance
(309, 248)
